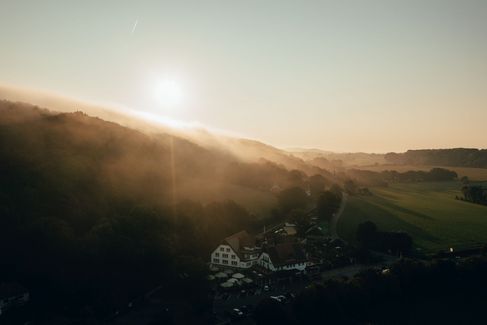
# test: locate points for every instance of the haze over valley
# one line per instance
(258, 162)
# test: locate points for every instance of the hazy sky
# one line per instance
(339, 75)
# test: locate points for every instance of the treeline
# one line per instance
(475, 194)
(410, 292)
(460, 157)
(369, 237)
(264, 175)
(382, 178)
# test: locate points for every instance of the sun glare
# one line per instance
(168, 93)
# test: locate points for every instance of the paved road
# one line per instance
(337, 215)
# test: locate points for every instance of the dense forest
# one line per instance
(91, 215)
(409, 292)
(459, 157)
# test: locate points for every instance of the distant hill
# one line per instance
(457, 157)
(246, 150)
(329, 159)
(66, 150)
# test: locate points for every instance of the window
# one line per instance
(234, 263)
(224, 261)
(217, 254)
(225, 255)
(216, 260)
(228, 249)
(234, 257)
(222, 249)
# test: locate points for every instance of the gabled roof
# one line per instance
(286, 253)
(240, 240)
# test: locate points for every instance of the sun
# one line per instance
(168, 93)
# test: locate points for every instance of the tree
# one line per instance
(292, 198)
(366, 233)
(316, 184)
(350, 187)
(327, 204)
(300, 219)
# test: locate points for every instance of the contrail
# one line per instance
(135, 26)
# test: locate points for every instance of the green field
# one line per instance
(427, 211)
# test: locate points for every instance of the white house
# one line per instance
(238, 250)
(283, 256)
(11, 295)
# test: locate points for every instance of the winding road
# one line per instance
(337, 215)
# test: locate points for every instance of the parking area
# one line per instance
(236, 304)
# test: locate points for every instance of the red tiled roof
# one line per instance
(240, 240)
(286, 253)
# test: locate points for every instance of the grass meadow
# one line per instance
(429, 212)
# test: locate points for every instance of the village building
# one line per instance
(283, 256)
(238, 251)
(275, 250)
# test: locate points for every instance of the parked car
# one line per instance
(278, 298)
(236, 313)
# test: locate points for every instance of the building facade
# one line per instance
(241, 251)
(283, 257)
(237, 251)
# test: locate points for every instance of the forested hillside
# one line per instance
(95, 213)
(458, 157)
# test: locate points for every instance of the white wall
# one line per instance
(266, 262)
(225, 255)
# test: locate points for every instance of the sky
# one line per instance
(371, 76)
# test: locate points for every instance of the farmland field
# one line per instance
(427, 211)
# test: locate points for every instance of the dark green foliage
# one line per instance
(292, 198)
(328, 203)
(475, 194)
(350, 187)
(391, 176)
(366, 232)
(392, 242)
(316, 184)
(410, 292)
